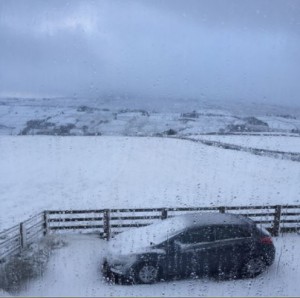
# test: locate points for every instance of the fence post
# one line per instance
(46, 223)
(164, 213)
(222, 209)
(276, 223)
(22, 235)
(106, 224)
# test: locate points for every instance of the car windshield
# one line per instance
(136, 239)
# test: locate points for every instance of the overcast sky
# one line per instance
(225, 49)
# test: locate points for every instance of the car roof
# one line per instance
(213, 218)
(137, 239)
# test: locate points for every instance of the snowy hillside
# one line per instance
(41, 172)
(69, 116)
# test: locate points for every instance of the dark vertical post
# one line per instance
(164, 213)
(22, 235)
(106, 224)
(45, 223)
(276, 223)
(222, 209)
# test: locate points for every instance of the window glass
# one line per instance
(200, 235)
(231, 232)
(119, 114)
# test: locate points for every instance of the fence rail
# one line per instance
(277, 219)
(16, 238)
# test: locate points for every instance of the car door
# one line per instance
(233, 244)
(194, 251)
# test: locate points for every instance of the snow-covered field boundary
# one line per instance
(293, 156)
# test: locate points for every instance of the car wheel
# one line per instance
(254, 267)
(147, 273)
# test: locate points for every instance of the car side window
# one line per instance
(231, 232)
(200, 235)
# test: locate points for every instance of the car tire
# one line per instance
(253, 267)
(147, 273)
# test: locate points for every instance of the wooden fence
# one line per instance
(14, 239)
(277, 219)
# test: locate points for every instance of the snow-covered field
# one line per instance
(74, 270)
(90, 117)
(277, 143)
(71, 116)
(44, 172)
(39, 173)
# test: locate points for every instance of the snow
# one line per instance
(135, 240)
(279, 123)
(74, 270)
(277, 143)
(127, 117)
(39, 173)
(104, 117)
(138, 239)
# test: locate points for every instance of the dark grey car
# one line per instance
(200, 244)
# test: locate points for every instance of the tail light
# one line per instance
(266, 240)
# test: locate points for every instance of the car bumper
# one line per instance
(114, 275)
(270, 255)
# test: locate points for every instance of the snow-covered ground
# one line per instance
(88, 116)
(44, 172)
(281, 123)
(71, 116)
(39, 173)
(277, 143)
(74, 270)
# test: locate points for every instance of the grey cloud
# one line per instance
(214, 49)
